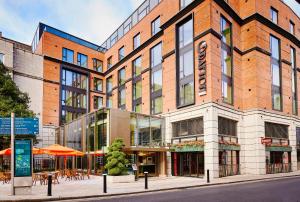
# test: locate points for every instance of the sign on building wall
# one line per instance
(23, 126)
(202, 67)
(22, 158)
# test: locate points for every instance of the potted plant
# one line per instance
(116, 163)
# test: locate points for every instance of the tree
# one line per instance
(12, 100)
(116, 160)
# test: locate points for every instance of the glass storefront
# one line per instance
(188, 164)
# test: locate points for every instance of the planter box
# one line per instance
(120, 178)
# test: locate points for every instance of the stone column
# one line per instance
(293, 142)
(211, 142)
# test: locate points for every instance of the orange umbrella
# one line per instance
(7, 151)
(58, 150)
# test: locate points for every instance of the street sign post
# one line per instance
(23, 126)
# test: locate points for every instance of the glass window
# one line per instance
(188, 127)
(1, 58)
(68, 55)
(122, 98)
(184, 3)
(98, 102)
(137, 90)
(121, 53)
(276, 72)
(122, 76)
(81, 60)
(97, 65)
(274, 15)
(156, 105)
(276, 130)
(155, 26)
(294, 81)
(226, 61)
(156, 80)
(98, 84)
(137, 108)
(185, 69)
(109, 62)
(109, 101)
(156, 56)
(136, 41)
(292, 27)
(137, 66)
(109, 84)
(227, 127)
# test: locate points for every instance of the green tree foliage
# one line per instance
(11, 100)
(116, 159)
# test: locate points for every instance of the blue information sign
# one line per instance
(23, 158)
(23, 126)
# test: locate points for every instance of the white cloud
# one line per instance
(294, 5)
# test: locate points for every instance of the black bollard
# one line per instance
(104, 183)
(146, 180)
(49, 185)
(208, 176)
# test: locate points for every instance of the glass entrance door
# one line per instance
(188, 164)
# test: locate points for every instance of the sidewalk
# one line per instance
(93, 187)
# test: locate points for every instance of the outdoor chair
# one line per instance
(7, 177)
(55, 178)
(75, 174)
(2, 177)
(34, 178)
(68, 174)
(44, 179)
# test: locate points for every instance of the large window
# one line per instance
(227, 127)
(67, 55)
(109, 86)
(73, 95)
(97, 65)
(121, 89)
(156, 79)
(188, 127)
(276, 130)
(81, 60)
(98, 102)
(137, 85)
(121, 53)
(294, 81)
(276, 73)
(274, 15)
(226, 61)
(109, 62)
(155, 26)
(185, 63)
(292, 27)
(136, 41)
(184, 3)
(98, 83)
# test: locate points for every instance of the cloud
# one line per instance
(294, 5)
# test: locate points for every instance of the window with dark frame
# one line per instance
(82, 60)
(226, 61)
(294, 81)
(98, 83)
(121, 53)
(227, 127)
(276, 73)
(98, 102)
(121, 88)
(155, 26)
(188, 127)
(276, 130)
(292, 28)
(185, 62)
(156, 79)
(97, 65)
(136, 41)
(185, 3)
(109, 86)
(68, 55)
(137, 85)
(109, 62)
(274, 15)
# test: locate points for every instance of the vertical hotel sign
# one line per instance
(202, 67)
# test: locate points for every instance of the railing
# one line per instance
(280, 141)
(278, 168)
(179, 139)
(227, 138)
(229, 170)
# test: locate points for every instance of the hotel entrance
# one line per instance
(189, 164)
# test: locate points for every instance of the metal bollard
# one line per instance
(146, 180)
(104, 183)
(49, 185)
(208, 176)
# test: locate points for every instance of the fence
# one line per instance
(278, 168)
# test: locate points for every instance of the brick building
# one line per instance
(222, 74)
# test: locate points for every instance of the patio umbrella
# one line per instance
(7, 151)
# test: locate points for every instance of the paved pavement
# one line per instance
(93, 187)
(280, 190)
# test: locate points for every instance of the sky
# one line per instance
(93, 20)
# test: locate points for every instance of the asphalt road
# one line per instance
(282, 190)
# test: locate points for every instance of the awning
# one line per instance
(35, 151)
(146, 149)
(59, 150)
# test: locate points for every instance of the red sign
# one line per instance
(266, 140)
